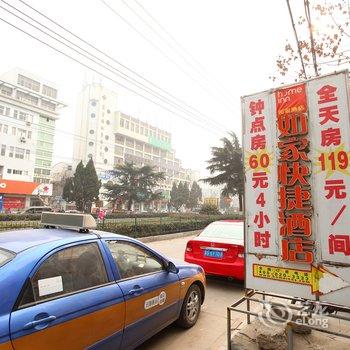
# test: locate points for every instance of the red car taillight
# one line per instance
(240, 252)
(189, 247)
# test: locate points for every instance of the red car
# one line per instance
(219, 249)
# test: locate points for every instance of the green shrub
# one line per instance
(209, 209)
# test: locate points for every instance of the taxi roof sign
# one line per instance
(79, 222)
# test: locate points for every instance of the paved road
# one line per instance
(210, 331)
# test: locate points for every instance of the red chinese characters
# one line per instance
(334, 188)
(258, 163)
(339, 244)
(295, 211)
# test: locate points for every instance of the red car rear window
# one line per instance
(223, 230)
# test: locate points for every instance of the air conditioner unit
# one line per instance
(23, 139)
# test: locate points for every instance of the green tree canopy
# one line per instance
(68, 190)
(226, 168)
(133, 184)
(185, 194)
(175, 199)
(195, 195)
(83, 188)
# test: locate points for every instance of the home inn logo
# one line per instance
(157, 300)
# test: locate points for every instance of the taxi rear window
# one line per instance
(5, 256)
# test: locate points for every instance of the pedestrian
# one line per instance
(101, 215)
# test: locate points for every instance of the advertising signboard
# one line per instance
(296, 142)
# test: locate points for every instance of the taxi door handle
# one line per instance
(33, 324)
(136, 290)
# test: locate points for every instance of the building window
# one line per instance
(93, 103)
(129, 143)
(119, 139)
(21, 132)
(48, 105)
(132, 126)
(119, 150)
(9, 171)
(29, 134)
(13, 131)
(49, 91)
(126, 124)
(105, 161)
(108, 122)
(122, 123)
(11, 151)
(3, 150)
(27, 98)
(4, 110)
(28, 83)
(106, 149)
(92, 115)
(5, 90)
(118, 160)
(91, 131)
(91, 143)
(136, 128)
(107, 137)
(141, 130)
(139, 146)
(108, 111)
(17, 172)
(27, 154)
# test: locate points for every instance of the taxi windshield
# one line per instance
(5, 256)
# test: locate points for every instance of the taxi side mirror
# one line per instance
(170, 267)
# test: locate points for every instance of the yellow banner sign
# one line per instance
(311, 277)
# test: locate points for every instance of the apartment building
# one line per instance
(111, 137)
(29, 109)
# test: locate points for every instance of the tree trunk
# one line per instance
(240, 200)
(129, 204)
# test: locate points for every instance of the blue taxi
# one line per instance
(68, 286)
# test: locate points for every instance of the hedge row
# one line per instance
(136, 231)
(153, 229)
(20, 217)
(35, 217)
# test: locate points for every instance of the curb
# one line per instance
(168, 236)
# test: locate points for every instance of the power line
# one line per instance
(164, 53)
(182, 53)
(308, 18)
(106, 55)
(296, 38)
(105, 76)
(118, 73)
(179, 45)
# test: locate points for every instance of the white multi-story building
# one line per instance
(111, 137)
(28, 110)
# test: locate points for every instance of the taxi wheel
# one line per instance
(191, 307)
